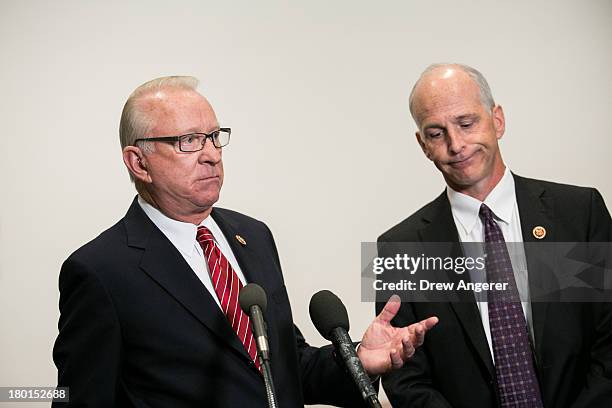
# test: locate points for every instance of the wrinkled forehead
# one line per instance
(445, 95)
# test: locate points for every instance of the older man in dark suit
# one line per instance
(509, 352)
(149, 313)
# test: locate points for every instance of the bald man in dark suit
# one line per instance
(566, 348)
(149, 313)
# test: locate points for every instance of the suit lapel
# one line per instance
(535, 209)
(247, 258)
(441, 228)
(166, 266)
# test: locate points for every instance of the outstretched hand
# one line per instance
(383, 347)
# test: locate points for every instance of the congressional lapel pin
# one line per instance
(241, 240)
(539, 232)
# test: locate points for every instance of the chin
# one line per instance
(205, 201)
(472, 174)
(463, 181)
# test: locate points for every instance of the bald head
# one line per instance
(162, 102)
(169, 106)
(182, 181)
(459, 127)
(149, 102)
(135, 121)
(439, 79)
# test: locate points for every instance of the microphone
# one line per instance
(331, 320)
(253, 302)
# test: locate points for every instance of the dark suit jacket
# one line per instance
(139, 329)
(573, 341)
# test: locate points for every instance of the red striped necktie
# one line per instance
(227, 286)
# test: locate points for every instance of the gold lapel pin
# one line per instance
(539, 232)
(241, 240)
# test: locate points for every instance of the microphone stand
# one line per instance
(267, 374)
(263, 353)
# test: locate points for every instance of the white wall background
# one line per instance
(322, 144)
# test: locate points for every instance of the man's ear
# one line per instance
(499, 121)
(421, 143)
(136, 163)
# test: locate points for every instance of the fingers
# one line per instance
(408, 349)
(396, 359)
(399, 343)
(390, 309)
(419, 334)
(429, 322)
(402, 351)
(418, 330)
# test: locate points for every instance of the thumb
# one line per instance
(390, 310)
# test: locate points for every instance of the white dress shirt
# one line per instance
(183, 236)
(502, 201)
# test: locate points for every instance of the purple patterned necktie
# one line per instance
(514, 364)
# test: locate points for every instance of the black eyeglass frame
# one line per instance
(174, 139)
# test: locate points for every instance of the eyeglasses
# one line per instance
(194, 142)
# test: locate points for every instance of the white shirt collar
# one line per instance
(501, 200)
(181, 234)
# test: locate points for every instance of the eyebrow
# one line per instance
(197, 130)
(433, 126)
(466, 116)
(456, 119)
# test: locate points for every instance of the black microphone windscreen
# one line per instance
(250, 295)
(327, 312)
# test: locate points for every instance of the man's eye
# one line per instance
(189, 139)
(466, 125)
(434, 135)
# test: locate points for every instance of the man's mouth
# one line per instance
(462, 162)
(208, 178)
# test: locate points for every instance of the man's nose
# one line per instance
(210, 153)
(455, 142)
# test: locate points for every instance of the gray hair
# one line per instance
(486, 97)
(135, 123)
